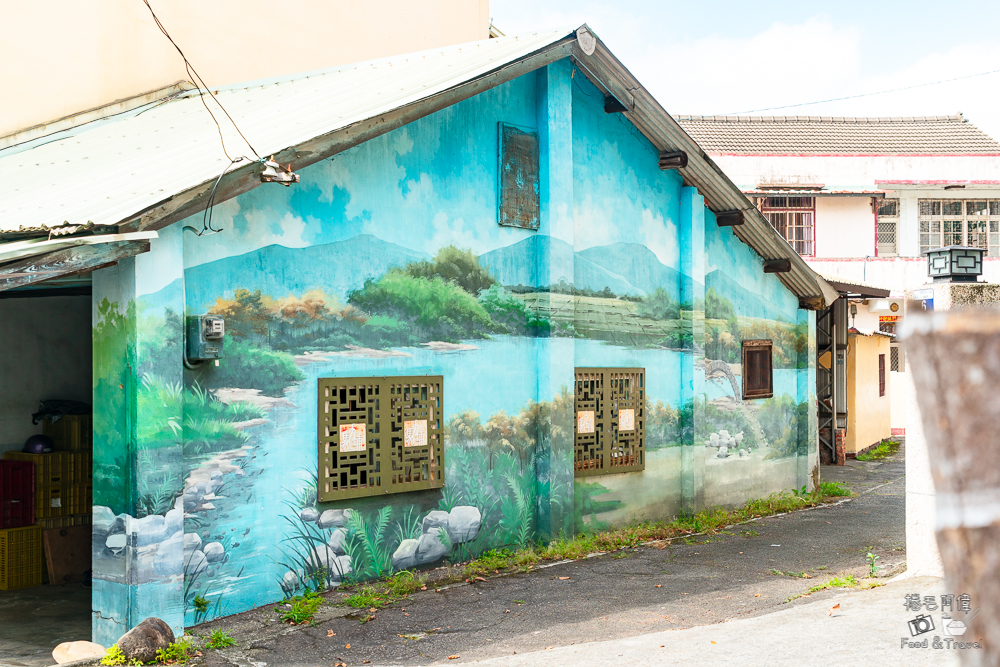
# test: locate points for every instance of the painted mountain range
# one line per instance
(336, 268)
(745, 302)
(624, 268)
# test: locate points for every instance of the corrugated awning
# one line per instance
(148, 167)
(848, 286)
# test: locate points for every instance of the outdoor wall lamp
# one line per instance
(275, 173)
(955, 264)
(673, 160)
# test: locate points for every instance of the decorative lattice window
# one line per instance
(758, 375)
(518, 200)
(610, 416)
(888, 227)
(380, 435)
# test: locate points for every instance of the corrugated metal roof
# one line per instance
(928, 135)
(151, 166)
(107, 171)
(849, 286)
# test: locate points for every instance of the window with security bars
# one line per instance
(609, 420)
(794, 218)
(380, 435)
(896, 359)
(965, 222)
(887, 221)
(881, 375)
(758, 374)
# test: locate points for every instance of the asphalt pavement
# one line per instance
(745, 575)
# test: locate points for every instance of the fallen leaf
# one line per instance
(348, 646)
(330, 633)
(405, 614)
(480, 579)
(423, 588)
(548, 648)
(366, 661)
(659, 585)
(563, 578)
(833, 609)
(373, 609)
(506, 611)
(757, 596)
(453, 657)
(713, 642)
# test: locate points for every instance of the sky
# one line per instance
(730, 57)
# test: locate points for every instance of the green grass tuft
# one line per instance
(882, 451)
(219, 639)
(303, 608)
(383, 593)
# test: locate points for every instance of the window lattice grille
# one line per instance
(888, 228)
(896, 359)
(794, 218)
(609, 426)
(380, 435)
(967, 222)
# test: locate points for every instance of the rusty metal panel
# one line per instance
(379, 435)
(518, 181)
(609, 423)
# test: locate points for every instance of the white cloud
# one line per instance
(661, 238)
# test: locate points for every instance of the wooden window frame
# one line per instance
(881, 375)
(518, 177)
(606, 449)
(386, 464)
(777, 209)
(751, 347)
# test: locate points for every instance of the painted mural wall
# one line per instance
(387, 260)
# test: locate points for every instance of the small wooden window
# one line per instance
(609, 420)
(380, 435)
(881, 375)
(518, 200)
(758, 378)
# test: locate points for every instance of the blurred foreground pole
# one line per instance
(955, 360)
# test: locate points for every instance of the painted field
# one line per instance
(614, 320)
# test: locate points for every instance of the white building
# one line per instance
(864, 198)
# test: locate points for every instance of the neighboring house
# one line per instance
(75, 57)
(498, 306)
(868, 391)
(862, 199)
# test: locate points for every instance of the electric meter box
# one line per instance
(205, 335)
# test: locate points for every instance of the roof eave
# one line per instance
(720, 193)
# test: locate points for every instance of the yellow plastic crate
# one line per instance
(83, 464)
(81, 498)
(54, 500)
(50, 469)
(21, 560)
(71, 433)
(65, 521)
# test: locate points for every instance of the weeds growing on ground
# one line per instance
(710, 521)
(884, 450)
(382, 593)
(179, 652)
(303, 608)
(219, 639)
(872, 567)
(114, 656)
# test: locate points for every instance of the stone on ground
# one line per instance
(142, 641)
(71, 651)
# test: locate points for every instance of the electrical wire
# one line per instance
(854, 97)
(202, 89)
(206, 220)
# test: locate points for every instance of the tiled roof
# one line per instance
(934, 135)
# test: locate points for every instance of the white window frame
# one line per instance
(887, 228)
(971, 222)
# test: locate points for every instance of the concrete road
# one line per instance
(743, 575)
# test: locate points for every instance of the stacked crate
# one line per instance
(21, 560)
(74, 436)
(17, 494)
(54, 481)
